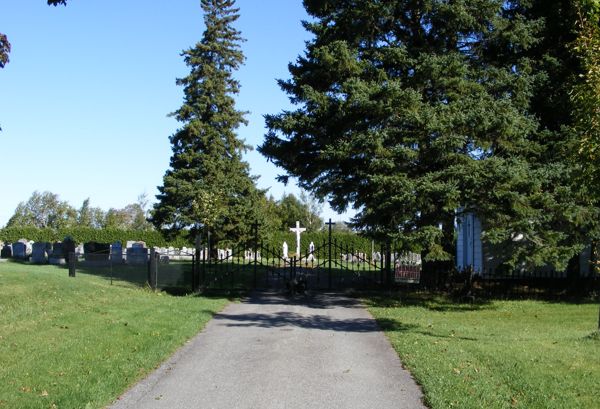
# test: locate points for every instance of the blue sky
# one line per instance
(85, 97)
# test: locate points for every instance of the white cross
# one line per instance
(298, 230)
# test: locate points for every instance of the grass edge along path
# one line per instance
(497, 354)
(80, 342)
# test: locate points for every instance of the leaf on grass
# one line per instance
(44, 393)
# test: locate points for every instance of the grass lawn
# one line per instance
(80, 342)
(501, 354)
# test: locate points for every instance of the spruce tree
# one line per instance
(410, 110)
(208, 185)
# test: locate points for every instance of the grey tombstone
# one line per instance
(137, 254)
(116, 252)
(40, 252)
(21, 250)
(57, 257)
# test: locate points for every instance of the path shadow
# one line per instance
(311, 318)
(285, 319)
(315, 300)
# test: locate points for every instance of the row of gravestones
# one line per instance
(58, 253)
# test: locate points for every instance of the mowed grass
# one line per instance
(501, 354)
(80, 342)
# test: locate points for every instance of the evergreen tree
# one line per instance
(208, 186)
(410, 110)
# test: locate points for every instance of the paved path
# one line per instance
(268, 352)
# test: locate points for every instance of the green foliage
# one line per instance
(208, 186)
(408, 111)
(4, 50)
(291, 209)
(44, 210)
(152, 238)
(586, 91)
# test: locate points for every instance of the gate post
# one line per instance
(293, 277)
(330, 224)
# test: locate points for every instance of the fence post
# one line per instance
(388, 265)
(72, 264)
(152, 270)
(255, 228)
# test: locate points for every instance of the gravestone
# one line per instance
(6, 251)
(137, 254)
(116, 252)
(21, 250)
(469, 249)
(40, 252)
(57, 256)
(376, 257)
(96, 252)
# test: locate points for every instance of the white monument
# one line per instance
(298, 230)
(285, 251)
(311, 252)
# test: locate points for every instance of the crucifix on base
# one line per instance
(298, 230)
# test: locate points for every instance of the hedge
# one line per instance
(81, 235)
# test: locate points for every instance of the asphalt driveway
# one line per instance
(323, 351)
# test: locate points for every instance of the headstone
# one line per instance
(96, 252)
(22, 249)
(116, 252)
(469, 254)
(39, 252)
(6, 251)
(79, 249)
(137, 254)
(57, 256)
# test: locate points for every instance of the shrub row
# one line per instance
(85, 235)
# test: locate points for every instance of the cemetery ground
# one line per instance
(495, 354)
(80, 342)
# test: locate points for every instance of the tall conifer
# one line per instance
(410, 110)
(208, 185)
